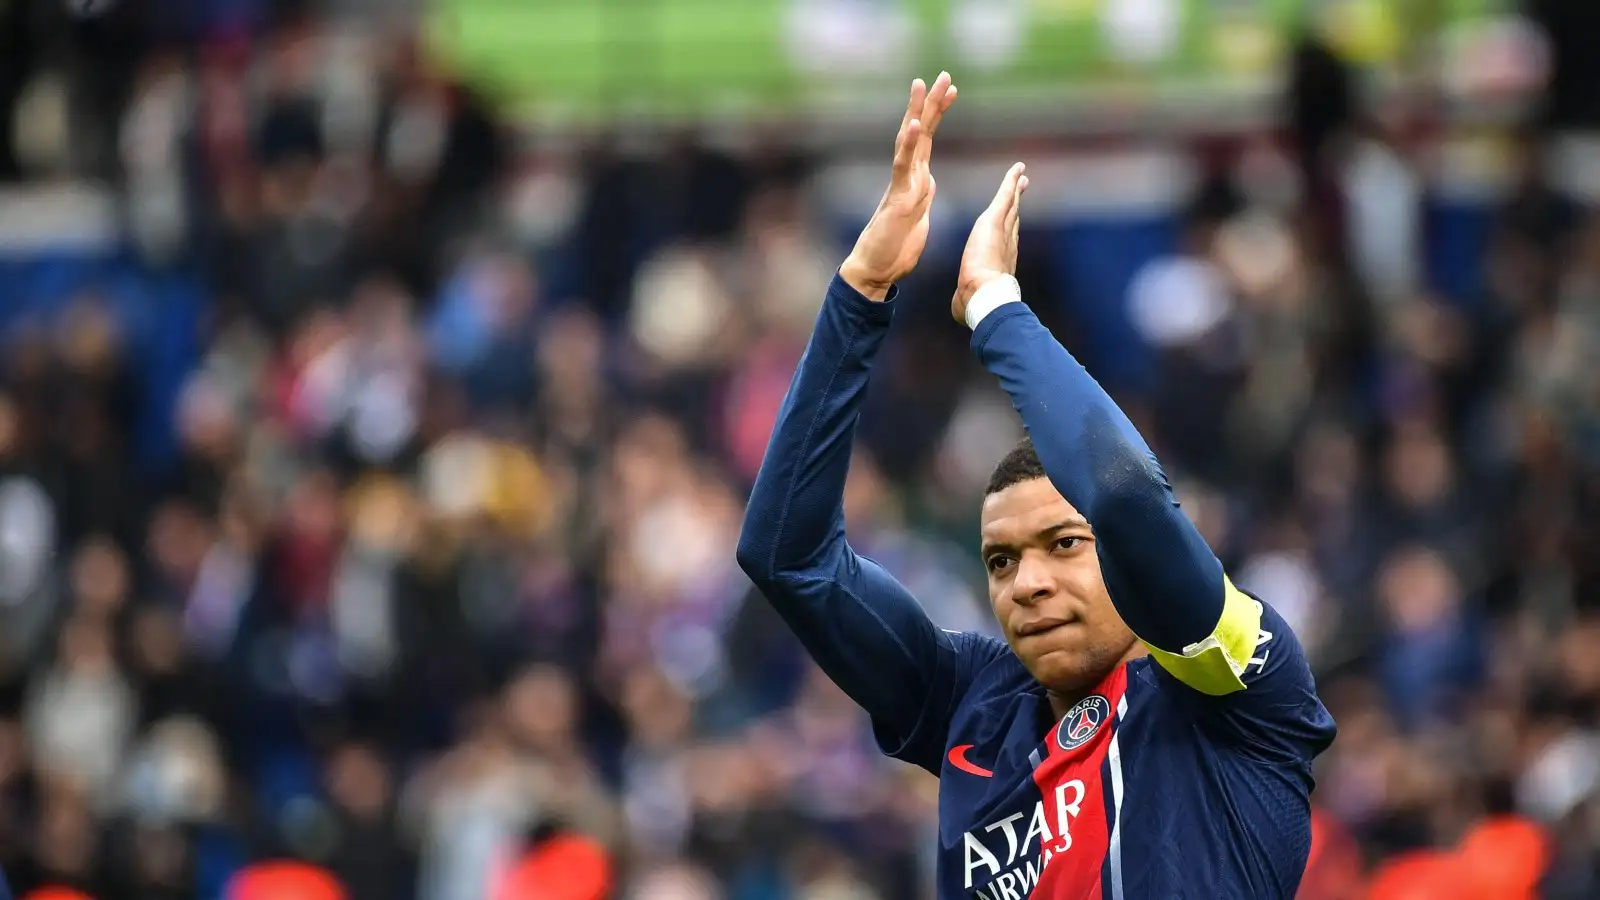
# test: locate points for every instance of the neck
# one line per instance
(1061, 701)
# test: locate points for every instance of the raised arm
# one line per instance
(1166, 583)
(860, 624)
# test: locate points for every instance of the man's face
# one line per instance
(1046, 589)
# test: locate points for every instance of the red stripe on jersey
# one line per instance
(1072, 785)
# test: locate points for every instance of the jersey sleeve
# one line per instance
(1166, 583)
(1204, 634)
(861, 625)
(1272, 704)
(1215, 665)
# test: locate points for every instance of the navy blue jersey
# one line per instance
(1185, 773)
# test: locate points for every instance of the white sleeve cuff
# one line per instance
(991, 297)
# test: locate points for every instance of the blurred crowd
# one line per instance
(421, 571)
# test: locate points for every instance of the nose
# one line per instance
(1033, 581)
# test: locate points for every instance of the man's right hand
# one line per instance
(892, 242)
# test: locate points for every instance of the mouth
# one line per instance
(1040, 626)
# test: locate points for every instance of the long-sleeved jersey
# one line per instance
(1185, 773)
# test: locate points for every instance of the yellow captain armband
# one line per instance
(1215, 666)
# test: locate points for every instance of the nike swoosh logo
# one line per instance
(958, 758)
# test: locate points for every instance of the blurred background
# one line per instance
(381, 380)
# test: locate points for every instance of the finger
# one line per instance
(919, 93)
(905, 153)
(937, 114)
(1005, 198)
(1014, 211)
(940, 96)
(1014, 235)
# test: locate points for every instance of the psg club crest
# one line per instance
(1083, 721)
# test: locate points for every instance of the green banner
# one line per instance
(583, 59)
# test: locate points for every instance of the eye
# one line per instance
(1067, 543)
(1000, 562)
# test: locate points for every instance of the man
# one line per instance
(1145, 730)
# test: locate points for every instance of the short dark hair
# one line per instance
(1019, 464)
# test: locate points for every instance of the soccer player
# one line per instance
(1146, 729)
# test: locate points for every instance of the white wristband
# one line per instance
(991, 297)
